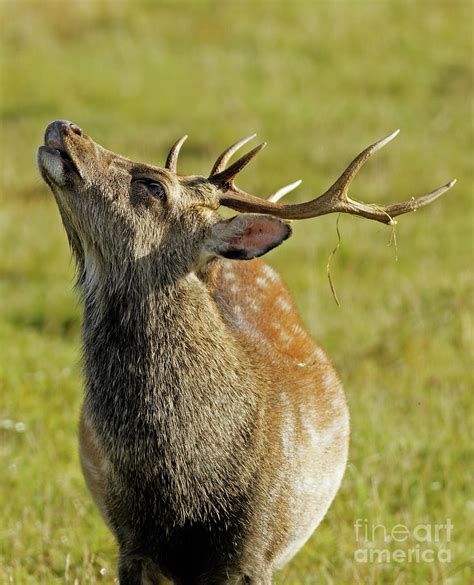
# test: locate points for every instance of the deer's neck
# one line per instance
(165, 377)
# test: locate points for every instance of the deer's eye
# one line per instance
(155, 188)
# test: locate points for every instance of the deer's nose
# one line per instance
(54, 131)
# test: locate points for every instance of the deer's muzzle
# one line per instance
(54, 159)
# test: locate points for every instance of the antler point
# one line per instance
(381, 143)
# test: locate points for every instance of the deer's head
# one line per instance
(117, 212)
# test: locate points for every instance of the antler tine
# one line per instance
(172, 158)
(334, 200)
(347, 176)
(223, 159)
(284, 191)
(225, 179)
(414, 203)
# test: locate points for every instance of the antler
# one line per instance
(172, 158)
(334, 200)
(225, 179)
(282, 191)
(223, 159)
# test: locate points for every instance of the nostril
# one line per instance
(75, 129)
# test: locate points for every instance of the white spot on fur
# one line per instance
(284, 304)
(330, 380)
(270, 273)
(321, 438)
(307, 422)
(285, 339)
(252, 304)
(228, 275)
(261, 282)
(284, 399)
(298, 330)
(319, 354)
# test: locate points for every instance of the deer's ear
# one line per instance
(247, 236)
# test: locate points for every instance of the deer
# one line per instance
(214, 430)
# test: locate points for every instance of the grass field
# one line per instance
(318, 81)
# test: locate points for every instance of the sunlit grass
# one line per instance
(319, 81)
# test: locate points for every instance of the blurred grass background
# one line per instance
(319, 81)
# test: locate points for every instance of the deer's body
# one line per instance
(269, 481)
(214, 431)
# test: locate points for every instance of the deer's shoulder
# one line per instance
(255, 302)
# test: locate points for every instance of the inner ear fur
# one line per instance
(247, 236)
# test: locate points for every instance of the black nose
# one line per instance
(54, 130)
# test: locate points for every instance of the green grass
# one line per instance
(319, 81)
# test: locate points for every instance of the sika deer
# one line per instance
(214, 430)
